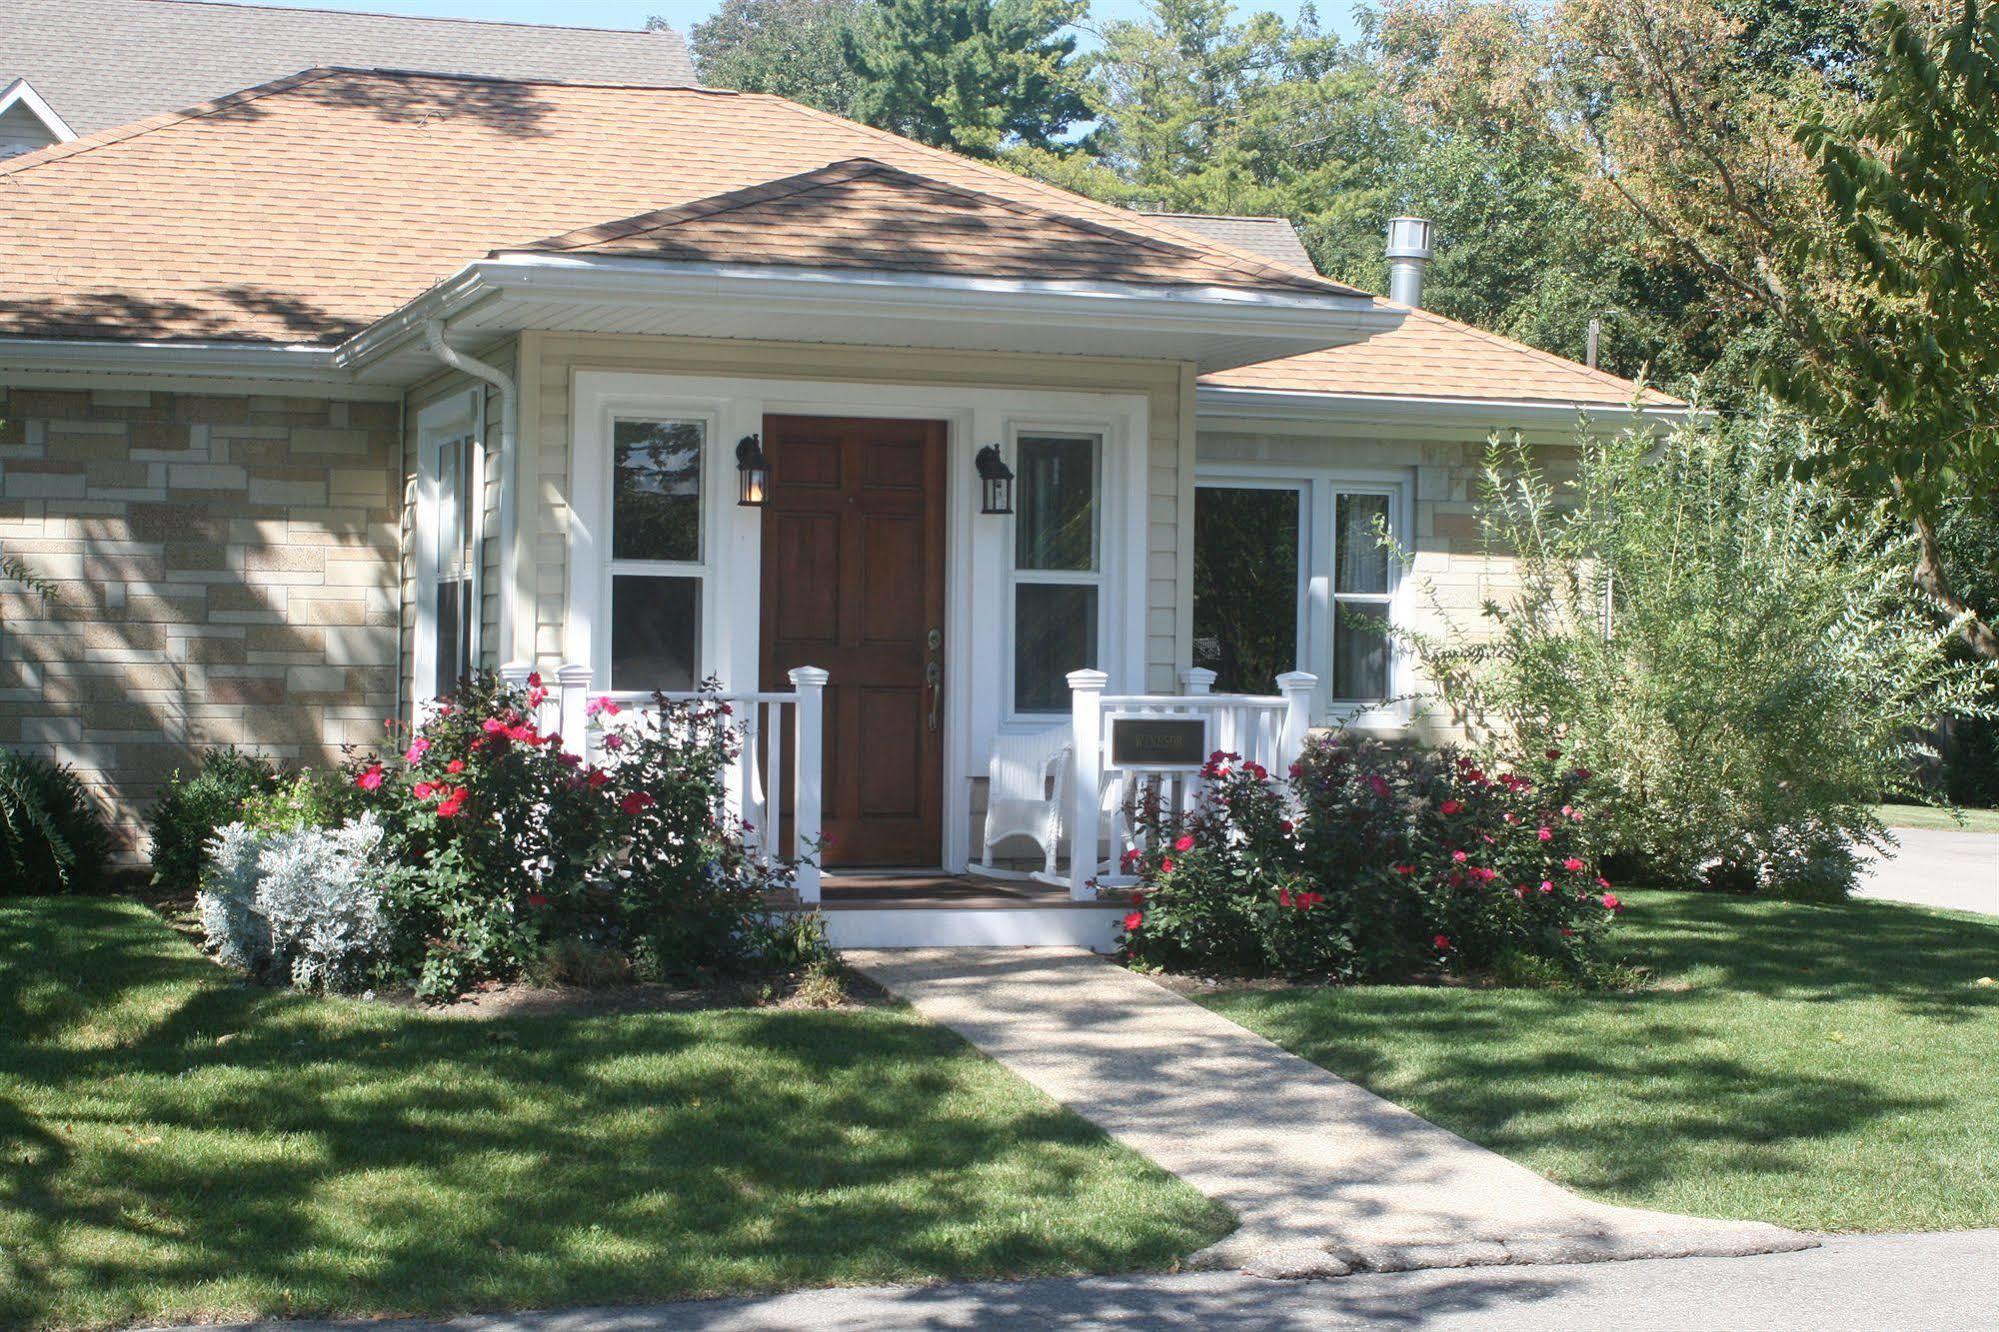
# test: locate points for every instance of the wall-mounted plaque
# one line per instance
(1158, 744)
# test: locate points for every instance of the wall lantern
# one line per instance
(995, 481)
(752, 473)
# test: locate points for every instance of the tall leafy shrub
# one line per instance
(194, 807)
(1738, 652)
(52, 838)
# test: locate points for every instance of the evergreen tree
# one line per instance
(976, 76)
(793, 48)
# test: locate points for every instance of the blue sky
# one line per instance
(684, 14)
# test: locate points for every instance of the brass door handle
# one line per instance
(933, 676)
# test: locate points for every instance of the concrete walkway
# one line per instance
(1937, 868)
(1326, 1178)
(1884, 1283)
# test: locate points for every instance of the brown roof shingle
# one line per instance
(865, 214)
(1430, 356)
(305, 209)
(102, 63)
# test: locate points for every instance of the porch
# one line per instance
(1075, 803)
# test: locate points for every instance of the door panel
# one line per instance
(853, 580)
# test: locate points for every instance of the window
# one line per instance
(1290, 574)
(1249, 596)
(656, 569)
(1361, 598)
(457, 558)
(1058, 566)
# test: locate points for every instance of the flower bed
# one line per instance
(1374, 862)
(476, 849)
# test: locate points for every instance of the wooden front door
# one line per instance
(853, 581)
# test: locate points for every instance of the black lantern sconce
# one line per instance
(995, 481)
(752, 473)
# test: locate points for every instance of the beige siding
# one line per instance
(225, 567)
(546, 441)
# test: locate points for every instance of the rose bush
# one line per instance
(1373, 862)
(502, 856)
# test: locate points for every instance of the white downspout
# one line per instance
(433, 336)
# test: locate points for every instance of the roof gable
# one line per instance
(864, 214)
(1274, 238)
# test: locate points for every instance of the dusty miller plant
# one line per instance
(301, 904)
(1740, 653)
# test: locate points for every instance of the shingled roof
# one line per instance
(306, 209)
(865, 214)
(102, 63)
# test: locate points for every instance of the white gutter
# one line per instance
(434, 336)
(1429, 410)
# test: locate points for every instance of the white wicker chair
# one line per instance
(1027, 783)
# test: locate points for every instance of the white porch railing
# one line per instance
(1265, 729)
(759, 780)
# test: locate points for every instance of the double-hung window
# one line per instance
(449, 513)
(1057, 565)
(657, 552)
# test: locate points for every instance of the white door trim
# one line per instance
(978, 548)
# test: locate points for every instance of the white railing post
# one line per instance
(810, 682)
(572, 690)
(1196, 681)
(1296, 687)
(1086, 718)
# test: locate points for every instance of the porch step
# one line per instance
(939, 925)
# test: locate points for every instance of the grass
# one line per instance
(176, 1145)
(1939, 819)
(1825, 1067)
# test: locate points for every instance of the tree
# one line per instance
(793, 48)
(1841, 216)
(971, 75)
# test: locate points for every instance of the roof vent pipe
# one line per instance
(1408, 252)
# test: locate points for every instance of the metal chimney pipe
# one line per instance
(1408, 252)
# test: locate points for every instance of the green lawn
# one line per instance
(1825, 1067)
(175, 1145)
(1932, 817)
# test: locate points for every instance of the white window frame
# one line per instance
(1095, 576)
(459, 416)
(600, 499)
(1318, 548)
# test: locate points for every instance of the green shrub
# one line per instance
(52, 838)
(1377, 863)
(518, 858)
(193, 807)
(1737, 652)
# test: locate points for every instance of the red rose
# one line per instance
(451, 804)
(1572, 864)
(1184, 844)
(423, 790)
(1133, 919)
(636, 801)
(1450, 807)
(1166, 865)
(1611, 903)
(371, 779)
(537, 899)
(456, 765)
(1443, 944)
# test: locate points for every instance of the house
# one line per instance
(322, 392)
(70, 67)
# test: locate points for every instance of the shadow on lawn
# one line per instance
(1631, 1091)
(362, 1157)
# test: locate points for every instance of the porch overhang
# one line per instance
(1214, 327)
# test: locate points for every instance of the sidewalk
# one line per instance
(1326, 1178)
(1885, 1283)
(1937, 868)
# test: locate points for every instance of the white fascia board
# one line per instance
(1214, 404)
(303, 365)
(22, 93)
(783, 291)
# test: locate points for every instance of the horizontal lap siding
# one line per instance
(226, 574)
(561, 356)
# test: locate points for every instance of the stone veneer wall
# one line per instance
(226, 569)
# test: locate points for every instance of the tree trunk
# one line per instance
(1976, 632)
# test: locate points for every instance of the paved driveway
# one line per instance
(1959, 870)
